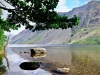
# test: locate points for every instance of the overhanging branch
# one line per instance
(2, 4)
(7, 2)
(6, 8)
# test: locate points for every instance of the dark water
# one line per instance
(81, 59)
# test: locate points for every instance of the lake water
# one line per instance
(81, 59)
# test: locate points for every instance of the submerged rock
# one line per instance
(29, 65)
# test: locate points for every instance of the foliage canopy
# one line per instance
(2, 36)
(39, 11)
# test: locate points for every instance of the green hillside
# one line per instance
(86, 36)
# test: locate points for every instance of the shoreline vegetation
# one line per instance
(3, 52)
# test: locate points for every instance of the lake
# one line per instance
(81, 59)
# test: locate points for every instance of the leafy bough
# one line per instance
(41, 12)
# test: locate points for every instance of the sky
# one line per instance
(63, 6)
(67, 5)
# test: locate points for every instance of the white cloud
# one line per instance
(61, 2)
(61, 7)
(40, 71)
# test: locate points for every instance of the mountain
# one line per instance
(42, 37)
(89, 27)
(88, 30)
(11, 35)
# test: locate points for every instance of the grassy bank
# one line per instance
(35, 39)
(89, 40)
(86, 36)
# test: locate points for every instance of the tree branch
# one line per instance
(6, 8)
(2, 4)
(7, 2)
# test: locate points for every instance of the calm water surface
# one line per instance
(81, 59)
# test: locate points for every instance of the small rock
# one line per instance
(65, 70)
(20, 52)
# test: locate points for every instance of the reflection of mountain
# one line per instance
(88, 27)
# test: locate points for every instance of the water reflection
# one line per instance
(15, 60)
(2, 67)
(36, 53)
(1, 58)
(29, 65)
(51, 60)
(82, 60)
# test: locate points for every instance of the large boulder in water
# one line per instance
(38, 52)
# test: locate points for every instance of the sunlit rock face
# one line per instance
(42, 37)
(38, 52)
